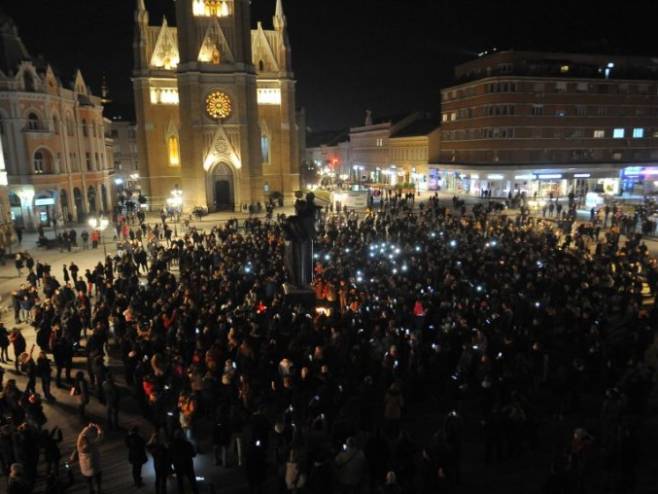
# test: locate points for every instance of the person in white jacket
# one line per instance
(89, 456)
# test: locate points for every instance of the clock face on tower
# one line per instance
(219, 105)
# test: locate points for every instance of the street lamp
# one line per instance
(100, 224)
(176, 201)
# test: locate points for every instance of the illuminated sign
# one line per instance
(48, 201)
(524, 177)
(549, 176)
(582, 175)
(495, 177)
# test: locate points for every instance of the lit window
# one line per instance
(269, 96)
(174, 152)
(638, 133)
(453, 116)
(618, 133)
(265, 148)
(564, 69)
(599, 134)
(445, 117)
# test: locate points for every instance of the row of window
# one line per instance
(553, 87)
(547, 133)
(556, 110)
(546, 155)
(34, 124)
(43, 162)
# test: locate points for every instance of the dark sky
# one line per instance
(389, 56)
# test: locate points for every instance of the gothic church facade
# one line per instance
(215, 106)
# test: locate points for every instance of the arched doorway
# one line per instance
(79, 204)
(221, 196)
(91, 197)
(64, 204)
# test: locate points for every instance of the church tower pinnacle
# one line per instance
(279, 17)
(141, 28)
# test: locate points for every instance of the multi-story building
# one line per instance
(550, 123)
(215, 105)
(53, 139)
(393, 150)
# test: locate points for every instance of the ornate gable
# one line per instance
(52, 84)
(79, 85)
(214, 48)
(262, 54)
(221, 150)
(165, 54)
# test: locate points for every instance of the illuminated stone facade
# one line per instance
(215, 104)
(54, 145)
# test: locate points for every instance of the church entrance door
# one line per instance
(222, 188)
(223, 201)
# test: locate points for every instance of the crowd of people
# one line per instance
(434, 329)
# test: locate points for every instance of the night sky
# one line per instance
(390, 56)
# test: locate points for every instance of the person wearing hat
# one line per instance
(136, 454)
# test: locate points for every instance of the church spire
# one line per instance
(279, 17)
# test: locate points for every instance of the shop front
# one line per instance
(44, 208)
(533, 183)
(639, 181)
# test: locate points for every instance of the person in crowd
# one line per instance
(17, 482)
(161, 462)
(19, 345)
(80, 390)
(182, 456)
(136, 454)
(4, 345)
(88, 455)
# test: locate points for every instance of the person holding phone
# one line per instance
(89, 457)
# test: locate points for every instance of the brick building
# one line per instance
(550, 123)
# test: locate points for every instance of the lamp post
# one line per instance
(100, 224)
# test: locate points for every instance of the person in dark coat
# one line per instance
(81, 391)
(44, 373)
(7, 457)
(182, 456)
(18, 342)
(161, 462)
(256, 466)
(136, 454)
(112, 398)
(4, 345)
(50, 443)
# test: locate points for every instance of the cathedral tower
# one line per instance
(215, 105)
